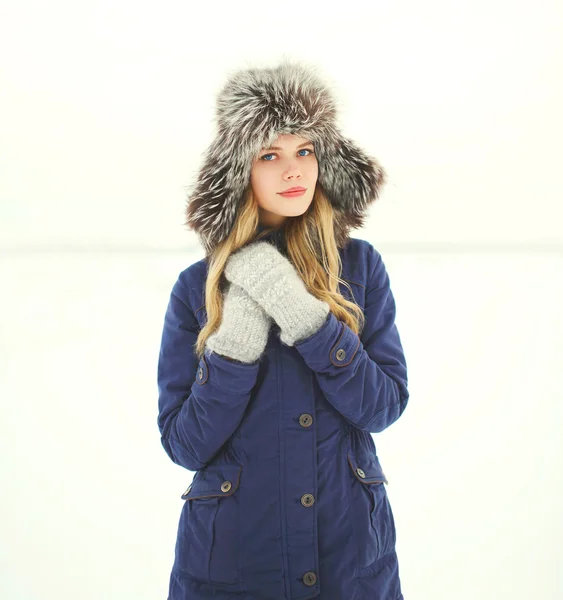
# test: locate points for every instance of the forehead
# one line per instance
(288, 141)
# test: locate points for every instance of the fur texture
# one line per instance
(253, 108)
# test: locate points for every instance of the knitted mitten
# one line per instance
(244, 329)
(273, 282)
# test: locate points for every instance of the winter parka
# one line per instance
(288, 500)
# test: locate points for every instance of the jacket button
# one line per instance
(226, 486)
(307, 499)
(360, 473)
(305, 420)
(200, 373)
(309, 578)
(340, 354)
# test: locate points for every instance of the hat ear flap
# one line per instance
(349, 177)
(213, 199)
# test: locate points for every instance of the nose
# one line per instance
(292, 173)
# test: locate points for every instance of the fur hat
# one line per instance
(253, 108)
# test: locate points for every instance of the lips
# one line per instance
(291, 192)
(297, 188)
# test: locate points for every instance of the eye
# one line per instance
(311, 151)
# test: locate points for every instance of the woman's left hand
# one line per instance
(272, 281)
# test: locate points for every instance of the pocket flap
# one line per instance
(216, 480)
(368, 469)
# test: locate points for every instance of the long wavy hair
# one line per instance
(315, 256)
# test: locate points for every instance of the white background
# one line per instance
(106, 110)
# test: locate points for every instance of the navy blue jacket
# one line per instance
(288, 500)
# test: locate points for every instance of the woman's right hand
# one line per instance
(244, 328)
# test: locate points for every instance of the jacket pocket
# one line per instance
(208, 545)
(372, 518)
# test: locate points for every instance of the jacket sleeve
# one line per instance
(200, 402)
(364, 378)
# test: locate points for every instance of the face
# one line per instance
(290, 162)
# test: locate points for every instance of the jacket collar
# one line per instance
(275, 237)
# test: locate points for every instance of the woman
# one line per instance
(280, 357)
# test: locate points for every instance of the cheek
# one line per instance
(312, 170)
(315, 167)
(263, 182)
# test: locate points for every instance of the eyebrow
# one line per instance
(278, 148)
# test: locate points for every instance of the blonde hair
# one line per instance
(314, 256)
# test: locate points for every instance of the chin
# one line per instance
(293, 213)
(295, 209)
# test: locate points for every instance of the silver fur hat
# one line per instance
(253, 108)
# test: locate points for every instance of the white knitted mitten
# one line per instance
(274, 283)
(244, 329)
